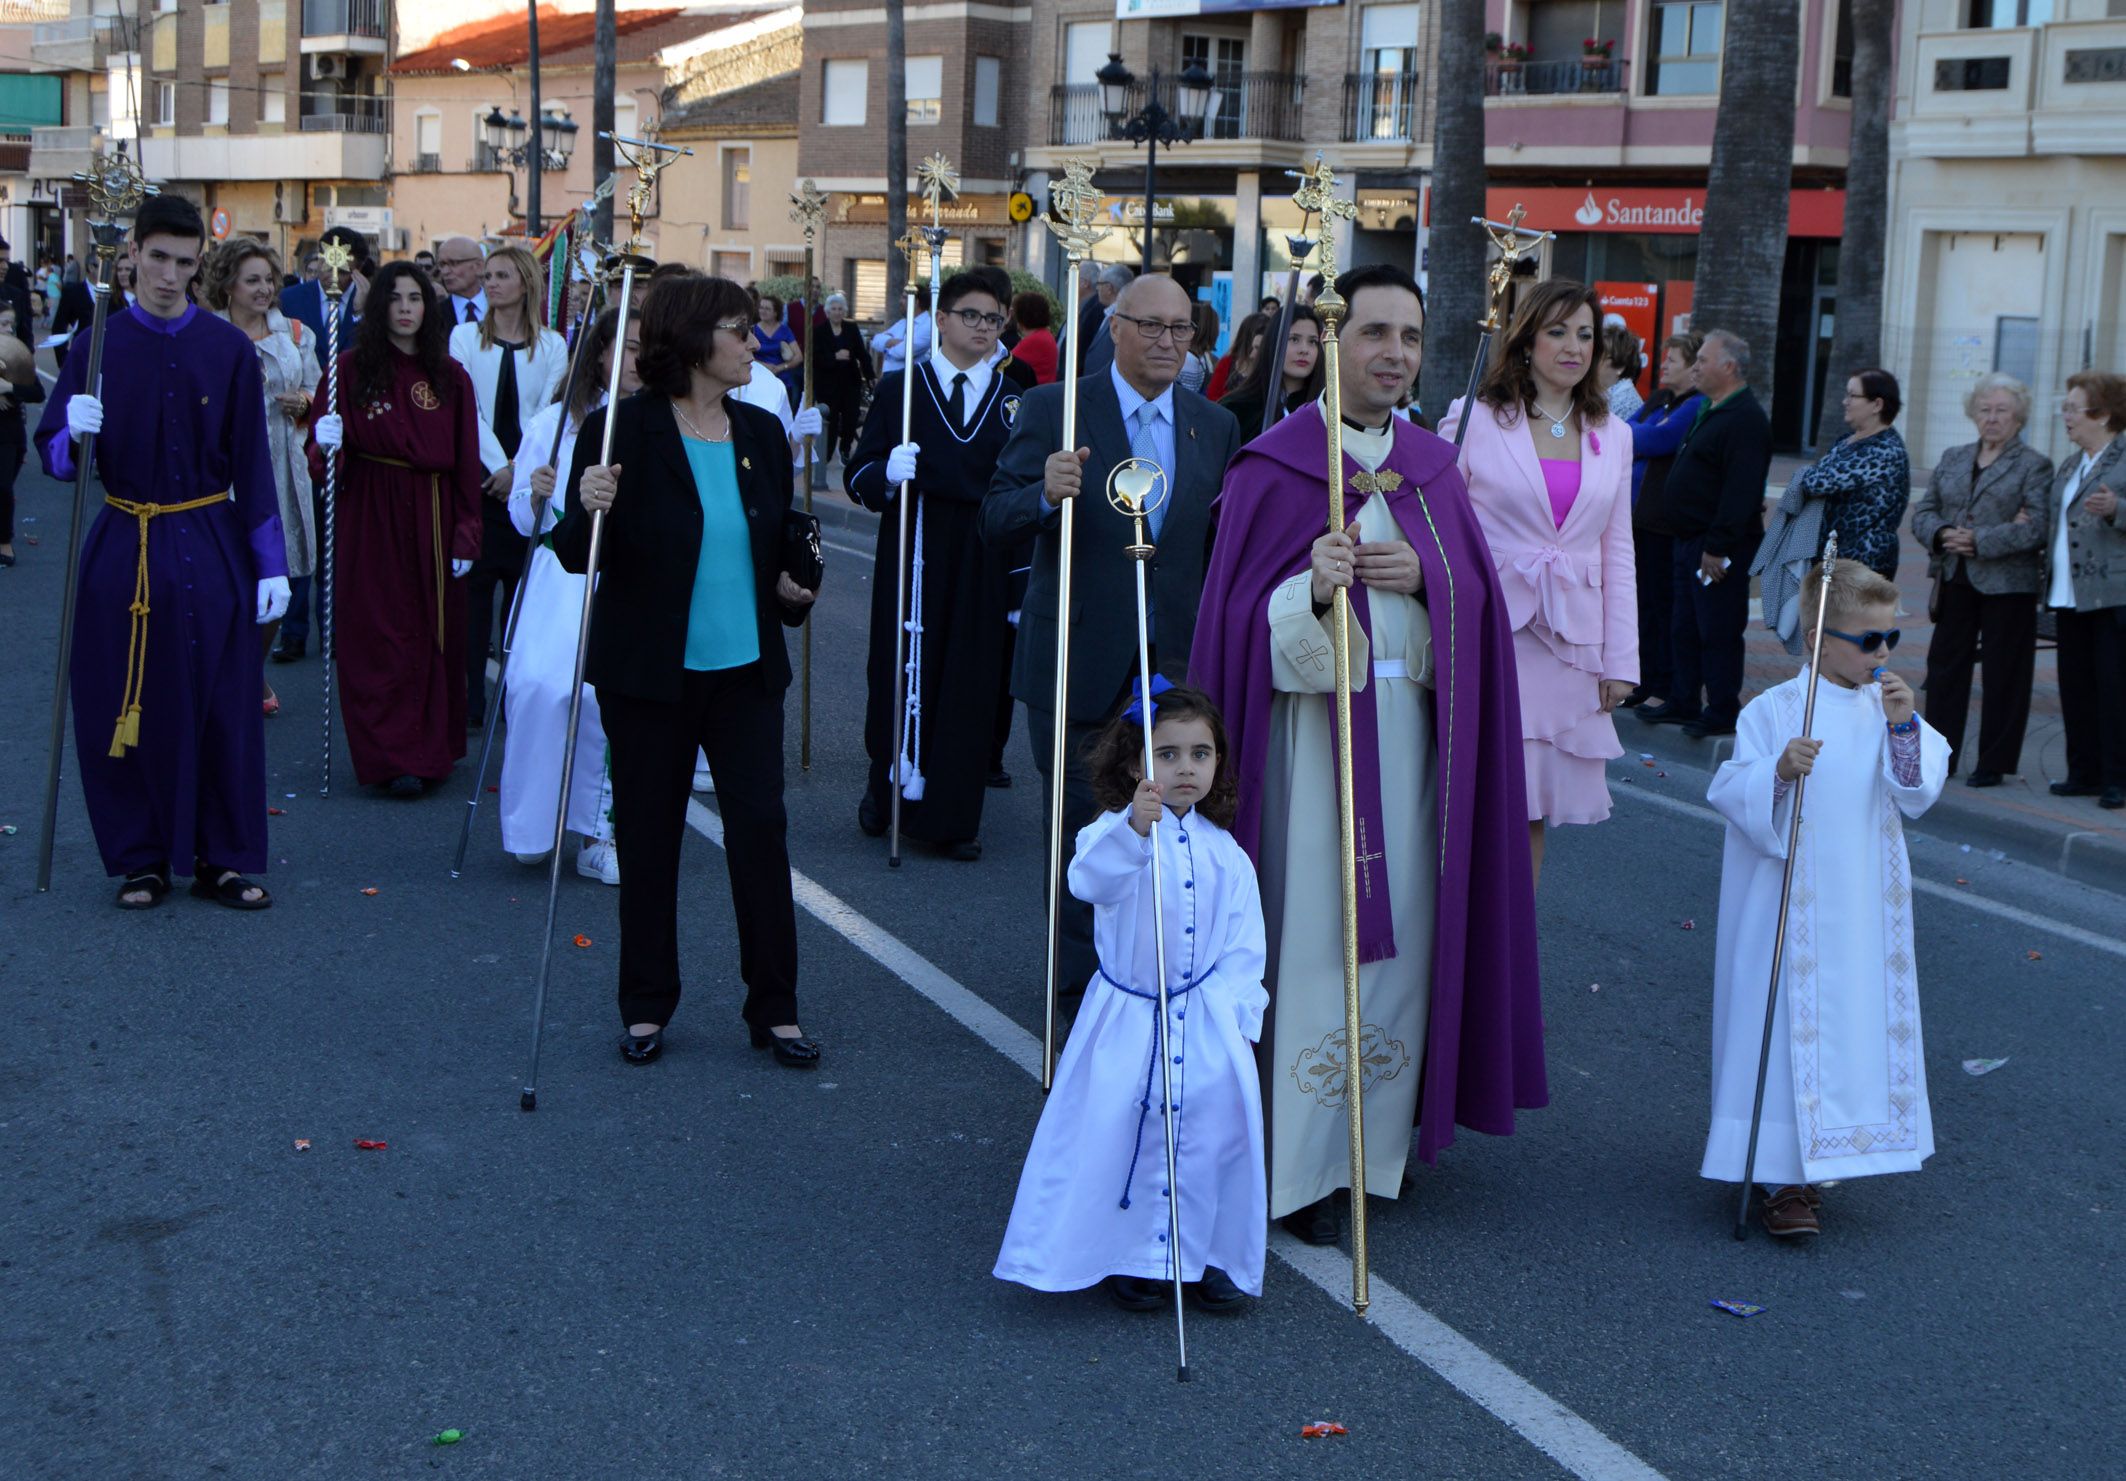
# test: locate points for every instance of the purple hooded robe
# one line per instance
(1484, 1044)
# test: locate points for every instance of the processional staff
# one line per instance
(1298, 247)
(1075, 207)
(940, 182)
(581, 330)
(1513, 241)
(338, 258)
(648, 159)
(116, 189)
(1138, 488)
(808, 209)
(1786, 886)
(1317, 192)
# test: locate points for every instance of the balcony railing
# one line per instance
(1245, 105)
(352, 116)
(1553, 79)
(14, 154)
(346, 18)
(1383, 107)
(428, 164)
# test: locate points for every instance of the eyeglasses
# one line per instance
(976, 319)
(1873, 639)
(1154, 330)
(736, 326)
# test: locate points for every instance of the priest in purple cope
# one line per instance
(1451, 1024)
(182, 561)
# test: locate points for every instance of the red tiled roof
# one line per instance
(565, 38)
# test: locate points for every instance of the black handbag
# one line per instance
(803, 557)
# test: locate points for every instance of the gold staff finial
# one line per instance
(1076, 203)
(941, 182)
(808, 207)
(911, 247)
(1317, 196)
(649, 159)
(338, 258)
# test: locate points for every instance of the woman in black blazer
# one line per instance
(686, 649)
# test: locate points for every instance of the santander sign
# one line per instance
(1653, 209)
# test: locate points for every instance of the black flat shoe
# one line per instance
(1983, 779)
(1132, 1294)
(288, 652)
(1634, 699)
(871, 816)
(1706, 730)
(2113, 798)
(999, 779)
(965, 851)
(1667, 714)
(1216, 1291)
(642, 1048)
(404, 786)
(2075, 789)
(799, 1053)
(1317, 1223)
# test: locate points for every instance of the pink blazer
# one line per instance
(1573, 587)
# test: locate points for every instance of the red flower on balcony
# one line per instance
(1595, 46)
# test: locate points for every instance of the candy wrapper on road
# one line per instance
(1736, 1308)
(1321, 1430)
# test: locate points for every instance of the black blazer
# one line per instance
(1715, 487)
(1103, 643)
(652, 544)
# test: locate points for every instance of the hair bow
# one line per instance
(1135, 713)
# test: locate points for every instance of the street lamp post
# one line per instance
(1153, 124)
(510, 143)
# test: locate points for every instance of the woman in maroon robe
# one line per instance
(407, 528)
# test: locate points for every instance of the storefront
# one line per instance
(856, 243)
(1634, 241)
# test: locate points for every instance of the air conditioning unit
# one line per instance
(326, 66)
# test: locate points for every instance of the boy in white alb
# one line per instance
(1846, 1091)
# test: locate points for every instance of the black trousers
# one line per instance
(495, 573)
(840, 406)
(1076, 956)
(2092, 660)
(1968, 623)
(11, 458)
(1653, 558)
(740, 725)
(1707, 633)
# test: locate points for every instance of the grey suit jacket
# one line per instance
(2096, 548)
(2008, 558)
(1103, 624)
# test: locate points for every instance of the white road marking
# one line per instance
(1536, 1417)
(1963, 897)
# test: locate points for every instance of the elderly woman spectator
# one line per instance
(1657, 430)
(1981, 520)
(2084, 580)
(841, 369)
(244, 287)
(1865, 480)
(1617, 372)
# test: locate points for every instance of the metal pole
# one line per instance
(1786, 889)
(894, 778)
(337, 255)
(804, 704)
(1151, 174)
(537, 143)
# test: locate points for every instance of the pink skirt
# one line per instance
(1566, 740)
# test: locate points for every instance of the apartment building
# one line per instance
(727, 210)
(1608, 145)
(2007, 240)
(450, 177)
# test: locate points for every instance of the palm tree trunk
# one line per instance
(896, 154)
(1742, 245)
(1456, 274)
(605, 48)
(1856, 344)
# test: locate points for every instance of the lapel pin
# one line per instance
(746, 463)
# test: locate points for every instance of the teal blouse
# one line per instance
(723, 630)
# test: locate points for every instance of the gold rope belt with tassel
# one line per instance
(136, 656)
(435, 528)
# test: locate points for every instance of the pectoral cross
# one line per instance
(1313, 657)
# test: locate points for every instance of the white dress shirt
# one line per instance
(457, 306)
(2062, 592)
(978, 376)
(888, 343)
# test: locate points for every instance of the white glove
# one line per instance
(809, 423)
(272, 599)
(900, 463)
(459, 568)
(84, 416)
(327, 430)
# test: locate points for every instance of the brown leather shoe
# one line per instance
(1787, 1213)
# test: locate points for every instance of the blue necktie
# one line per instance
(1144, 445)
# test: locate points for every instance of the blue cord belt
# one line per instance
(1151, 1067)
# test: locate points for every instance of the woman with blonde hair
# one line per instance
(516, 367)
(243, 285)
(1549, 473)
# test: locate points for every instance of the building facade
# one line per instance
(1608, 144)
(2007, 242)
(727, 210)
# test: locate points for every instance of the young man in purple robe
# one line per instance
(183, 561)
(1452, 1028)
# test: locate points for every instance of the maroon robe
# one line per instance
(409, 483)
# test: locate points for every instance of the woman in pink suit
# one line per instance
(1549, 471)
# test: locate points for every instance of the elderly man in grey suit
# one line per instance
(1131, 408)
(1099, 335)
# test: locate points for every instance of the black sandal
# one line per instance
(226, 887)
(154, 883)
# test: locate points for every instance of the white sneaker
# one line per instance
(599, 861)
(538, 858)
(703, 782)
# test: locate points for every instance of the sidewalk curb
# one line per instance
(2087, 857)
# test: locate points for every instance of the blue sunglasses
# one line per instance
(1871, 640)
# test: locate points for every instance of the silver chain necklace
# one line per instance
(1557, 424)
(696, 432)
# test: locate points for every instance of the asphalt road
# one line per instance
(713, 1267)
